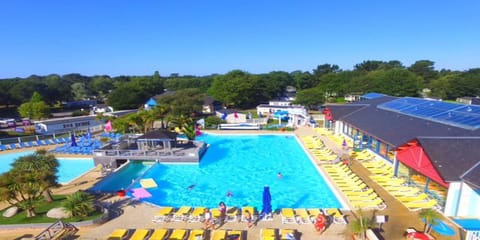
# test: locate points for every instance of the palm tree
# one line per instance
(430, 216)
(360, 224)
(160, 112)
(29, 178)
(79, 204)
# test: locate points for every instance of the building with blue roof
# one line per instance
(433, 142)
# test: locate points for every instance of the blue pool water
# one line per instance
(69, 169)
(242, 165)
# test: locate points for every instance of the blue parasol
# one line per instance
(74, 142)
(267, 202)
(89, 134)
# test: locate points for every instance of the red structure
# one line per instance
(413, 155)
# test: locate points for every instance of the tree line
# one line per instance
(240, 89)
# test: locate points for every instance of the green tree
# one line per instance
(126, 95)
(28, 179)
(430, 217)
(466, 84)
(182, 102)
(236, 89)
(36, 108)
(79, 91)
(303, 80)
(212, 121)
(101, 85)
(310, 97)
(79, 204)
(424, 69)
(325, 69)
(159, 113)
(58, 90)
(369, 65)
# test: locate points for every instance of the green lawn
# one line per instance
(41, 211)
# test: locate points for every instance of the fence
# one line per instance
(95, 129)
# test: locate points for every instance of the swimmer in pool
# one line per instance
(191, 187)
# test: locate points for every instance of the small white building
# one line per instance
(298, 114)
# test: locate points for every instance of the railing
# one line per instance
(143, 153)
(57, 230)
(94, 129)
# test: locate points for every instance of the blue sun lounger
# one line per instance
(13, 146)
(23, 145)
(3, 147)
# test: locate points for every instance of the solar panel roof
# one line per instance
(460, 115)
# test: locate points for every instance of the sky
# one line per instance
(127, 37)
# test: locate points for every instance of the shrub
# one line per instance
(79, 204)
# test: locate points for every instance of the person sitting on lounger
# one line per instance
(248, 218)
(223, 212)
(209, 223)
(320, 223)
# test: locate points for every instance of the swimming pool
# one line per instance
(242, 165)
(69, 169)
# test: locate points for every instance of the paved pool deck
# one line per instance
(133, 214)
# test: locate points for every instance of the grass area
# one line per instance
(41, 211)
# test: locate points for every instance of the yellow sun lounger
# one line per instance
(302, 216)
(159, 234)
(163, 215)
(148, 183)
(361, 192)
(219, 234)
(268, 234)
(362, 197)
(287, 234)
(178, 234)
(420, 204)
(412, 198)
(251, 210)
(375, 203)
(196, 234)
(288, 216)
(196, 215)
(234, 234)
(232, 214)
(140, 234)
(182, 214)
(119, 233)
(338, 217)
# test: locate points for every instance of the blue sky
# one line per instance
(129, 37)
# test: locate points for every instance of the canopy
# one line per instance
(281, 114)
(413, 155)
(267, 201)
